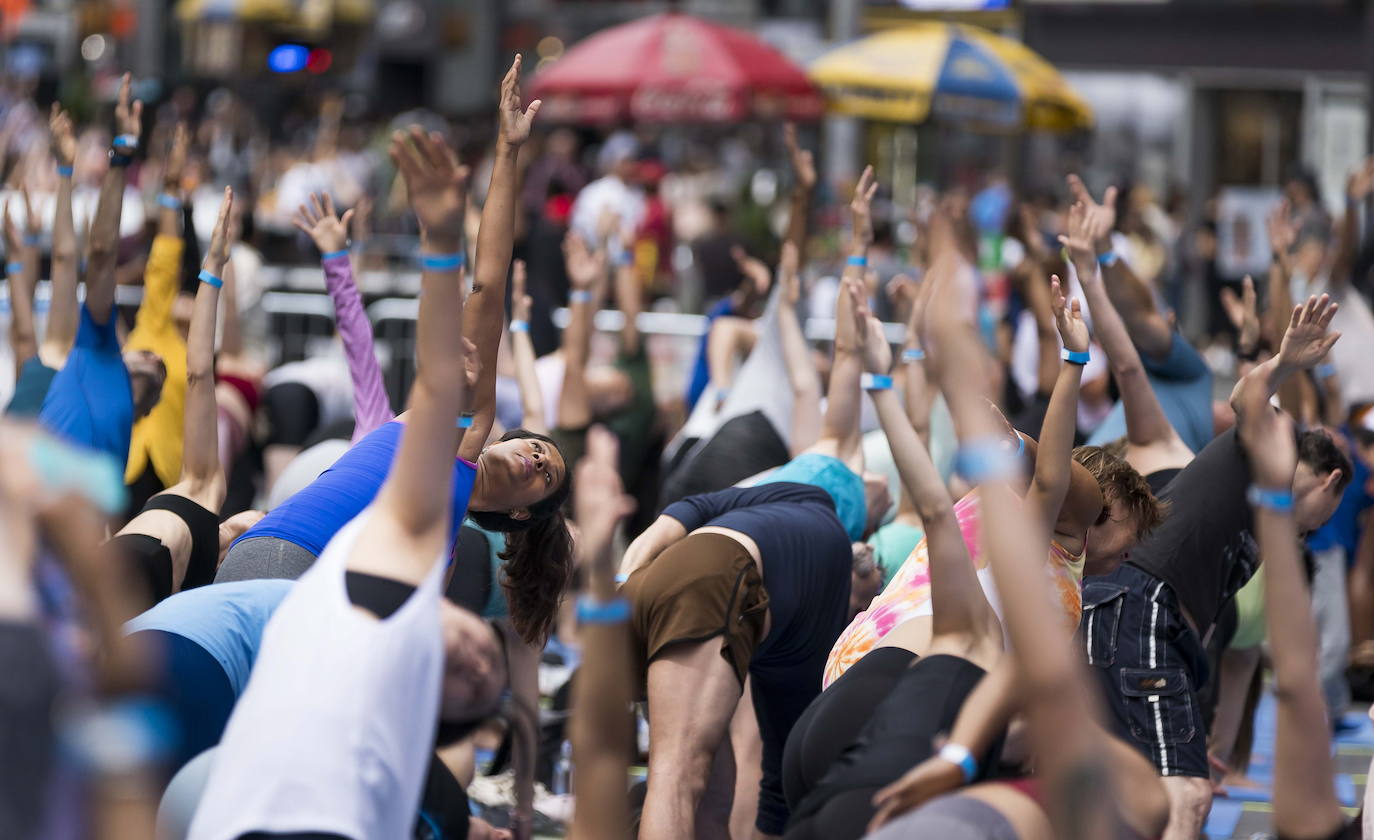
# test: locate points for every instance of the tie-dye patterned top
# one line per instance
(908, 594)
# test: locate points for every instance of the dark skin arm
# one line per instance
(484, 314)
(804, 170)
(63, 315)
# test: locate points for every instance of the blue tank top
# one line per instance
(313, 516)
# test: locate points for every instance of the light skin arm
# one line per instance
(522, 351)
(22, 335)
(1147, 326)
(1243, 312)
(804, 171)
(1306, 341)
(485, 313)
(629, 299)
(730, 340)
(1146, 423)
(1305, 804)
(796, 354)
(409, 532)
(231, 337)
(104, 239)
(657, 538)
(587, 278)
(169, 218)
(62, 310)
(601, 726)
(201, 470)
(1053, 463)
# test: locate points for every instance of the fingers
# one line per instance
(1109, 197)
(1077, 189)
(1296, 318)
(329, 205)
(533, 109)
(1329, 342)
(1076, 308)
(124, 83)
(508, 83)
(317, 205)
(347, 217)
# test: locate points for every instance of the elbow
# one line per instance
(200, 372)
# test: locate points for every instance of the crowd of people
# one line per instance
(1017, 564)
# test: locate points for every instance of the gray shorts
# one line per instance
(949, 818)
(257, 558)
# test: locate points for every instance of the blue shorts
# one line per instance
(831, 475)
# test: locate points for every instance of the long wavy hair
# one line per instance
(538, 559)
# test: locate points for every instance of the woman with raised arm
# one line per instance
(519, 483)
(395, 658)
(174, 540)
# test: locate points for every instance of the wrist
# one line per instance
(440, 243)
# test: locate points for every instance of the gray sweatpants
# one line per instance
(257, 558)
(1332, 612)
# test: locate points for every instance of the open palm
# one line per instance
(515, 118)
(435, 182)
(1308, 339)
(318, 221)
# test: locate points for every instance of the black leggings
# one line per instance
(924, 702)
(293, 412)
(835, 718)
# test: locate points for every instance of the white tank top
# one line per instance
(336, 728)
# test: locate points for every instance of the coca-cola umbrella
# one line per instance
(674, 68)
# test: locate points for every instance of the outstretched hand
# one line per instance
(1243, 312)
(319, 221)
(1308, 340)
(128, 115)
(585, 267)
(521, 303)
(515, 119)
(877, 353)
(803, 163)
(435, 182)
(861, 207)
(1068, 317)
(1101, 218)
(218, 252)
(1282, 233)
(1080, 239)
(62, 136)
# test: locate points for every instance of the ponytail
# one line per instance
(538, 560)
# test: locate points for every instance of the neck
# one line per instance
(479, 499)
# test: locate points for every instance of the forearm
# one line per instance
(62, 308)
(1050, 483)
(531, 395)
(798, 217)
(104, 247)
(231, 338)
(919, 395)
(200, 457)
(1146, 422)
(22, 334)
(629, 299)
(988, 709)
(484, 314)
(1252, 394)
(1133, 300)
(841, 421)
(796, 354)
(371, 407)
(920, 479)
(664, 532)
(1292, 634)
(574, 402)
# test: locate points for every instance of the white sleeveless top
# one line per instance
(335, 730)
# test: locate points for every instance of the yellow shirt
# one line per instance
(158, 437)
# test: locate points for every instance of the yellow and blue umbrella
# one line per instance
(948, 71)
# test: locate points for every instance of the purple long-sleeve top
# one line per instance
(371, 407)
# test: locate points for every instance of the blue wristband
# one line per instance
(14, 267)
(125, 141)
(519, 326)
(1279, 501)
(988, 460)
(207, 277)
(860, 262)
(592, 611)
(1108, 259)
(1325, 370)
(171, 202)
(117, 159)
(961, 757)
(913, 354)
(875, 382)
(1075, 357)
(64, 171)
(626, 257)
(580, 296)
(442, 262)
(32, 239)
(334, 255)
(465, 420)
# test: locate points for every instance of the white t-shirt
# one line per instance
(335, 730)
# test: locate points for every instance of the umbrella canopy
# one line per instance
(673, 67)
(949, 71)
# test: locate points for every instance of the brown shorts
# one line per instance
(704, 586)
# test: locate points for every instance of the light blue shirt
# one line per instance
(226, 619)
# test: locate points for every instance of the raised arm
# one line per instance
(796, 354)
(104, 240)
(840, 425)
(201, 470)
(1242, 311)
(485, 313)
(1357, 190)
(409, 533)
(162, 274)
(21, 267)
(1054, 459)
(954, 588)
(522, 351)
(804, 171)
(231, 330)
(329, 232)
(601, 725)
(587, 277)
(1305, 802)
(1306, 341)
(919, 391)
(62, 307)
(1145, 324)
(1146, 423)
(629, 298)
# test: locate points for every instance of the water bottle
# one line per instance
(562, 770)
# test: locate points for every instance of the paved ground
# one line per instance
(1234, 818)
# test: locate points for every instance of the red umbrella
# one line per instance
(673, 67)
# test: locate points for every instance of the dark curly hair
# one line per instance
(1120, 481)
(538, 560)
